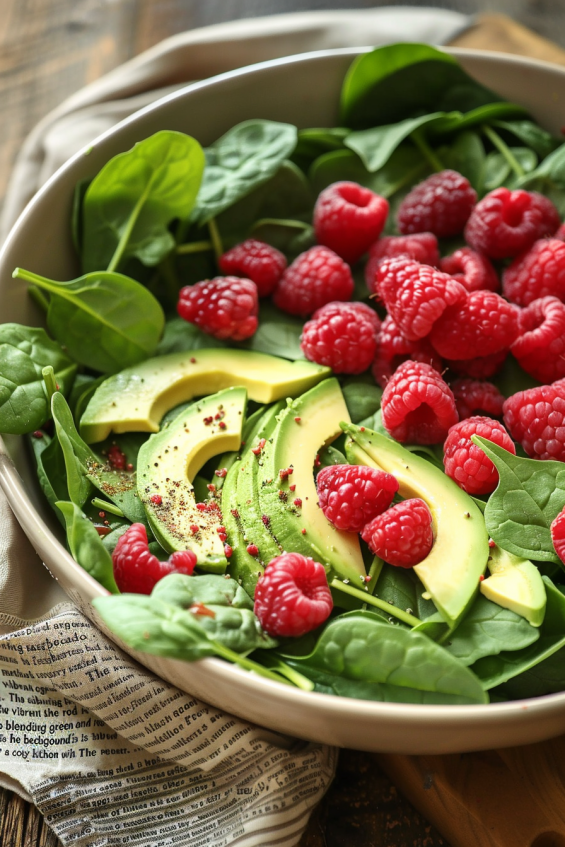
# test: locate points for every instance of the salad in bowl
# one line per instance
(302, 410)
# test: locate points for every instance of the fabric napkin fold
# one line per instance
(110, 753)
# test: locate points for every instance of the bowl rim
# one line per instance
(33, 524)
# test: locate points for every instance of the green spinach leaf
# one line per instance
(290, 236)
(130, 203)
(549, 178)
(530, 134)
(278, 334)
(361, 400)
(466, 155)
(315, 141)
(498, 170)
(24, 352)
(77, 455)
(106, 321)
(376, 145)
(86, 546)
(529, 496)
(404, 168)
(180, 336)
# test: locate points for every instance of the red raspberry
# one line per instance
(440, 204)
(540, 349)
(137, 570)
(536, 419)
(465, 462)
(393, 349)
(402, 535)
(557, 530)
(337, 307)
(343, 339)
(481, 367)
(485, 323)
(421, 247)
(417, 405)
(257, 261)
(416, 295)
(537, 273)
(315, 278)
(352, 495)
(477, 398)
(292, 596)
(225, 307)
(348, 218)
(504, 223)
(471, 269)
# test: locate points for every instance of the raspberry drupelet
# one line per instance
(465, 462)
(540, 349)
(535, 418)
(402, 535)
(484, 323)
(471, 269)
(262, 264)
(539, 272)
(352, 495)
(341, 336)
(315, 278)
(476, 397)
(440, 204)
(393, 349)
(348, 218)
(421, 247)
(225, 307)
(137, 570)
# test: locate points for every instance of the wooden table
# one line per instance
(51, 48)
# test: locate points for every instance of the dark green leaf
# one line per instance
(289, 236)
(401, 587)
(466, 155)
(76, 453)
(278, 334)
(498, 170)
(245, 157)
(180, 336)
(528, 498)
(376, 145)
(511, 378)
(51, 471)
(405, 167)
(361, 400)
(530, 134)
(86, 546)
(76, 214)
(106, 321)
(130, 203)
(24, 352)
(313, 142)
(549, 178)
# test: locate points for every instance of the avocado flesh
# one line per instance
(516, 584)
(458, 558)
(296, 444)
(169, 461)
(239, 494)
(137, 398)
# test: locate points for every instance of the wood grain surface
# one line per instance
(48, 50)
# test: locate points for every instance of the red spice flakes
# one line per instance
(221, 472)
(211, 487)
(101, 514)
(221, 414)
(193, 361)
(102, 530)
(297, 502)
(222, 425)
(37, 434)
(366, 578)
(202, 507)
(282, 495)
(116, 458)
(156, 499)
(200, 609)
(317, 462)
(252, 549)
(235, 513)
(491, 543)
(266, 519)
(129, 466)
(303, 531)
(361, 429)
(481, 577)
(284, 473)
(292, 487)
(194, 529)
(220, 530)
(227, 552)
(257, 450)
(208, 420)
(297, 420)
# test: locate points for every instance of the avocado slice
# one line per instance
(295, 518)
(458, 558)
(169, 461)
(516, 584)
(137, 398)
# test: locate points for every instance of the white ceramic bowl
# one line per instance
(303, 90)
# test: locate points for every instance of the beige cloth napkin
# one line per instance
(110, 753)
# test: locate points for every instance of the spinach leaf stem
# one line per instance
(48, 375)
(38, 297)
(365, 597)
(194, 247)
(427, 151)
(248, 664)
(215, 238)
(107, 507)
(128, 229)
(503, 148)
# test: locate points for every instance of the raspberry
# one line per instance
(540, 349)
(292, 596)
(465, 462)
(485, 323)
(504, 223)
(393, 349)
(416, 295)
(417, 405)
(481, 367)
(225, 307)
(477, 398)
(315, 278)
(421, 247)
(536, 419)
(137, 570)
(342, 338)
(352, 495)
(348, 218)
(337, 307)
(471, 269)
(402, 535)
(440, 204)
(539, 272)
(257, 261)
(557, 530)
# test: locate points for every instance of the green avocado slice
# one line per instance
(516, 584)
(452, 571)
(136, 399)
(169, 461)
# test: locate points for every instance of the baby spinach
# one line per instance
(466, 155)
(106, 321)
(130, 203)
(290, 236)
(180, 336)
(278, 334)
(362, 648)
(361, 400)
(530, 134)
(549, 178)
(530, 494)
(403, 169)
(376, 145)
(86, 546)
(24, 352)
(315, 141)
(77, 455)
(248, 155)
(498, 170)
(51, 471)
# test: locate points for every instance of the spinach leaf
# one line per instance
(530, 134)
(401, 587)
(180, 336)
(361, 647)
(375, 146)
(77, 455)
(130, 203)
(511, 378)
(83, 388)
(498, 170)
(466, 155)
(361, 400)
(549, 178)
(315, 141)
(246, 156)
(24, 352)
(278, 334)
(86, 546)
(51, 471)
(106, 321)
(399, 81)
(495, 670)
(404, 168)
(530, 494)
(290, 236)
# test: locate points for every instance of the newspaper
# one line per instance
(112, 755)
